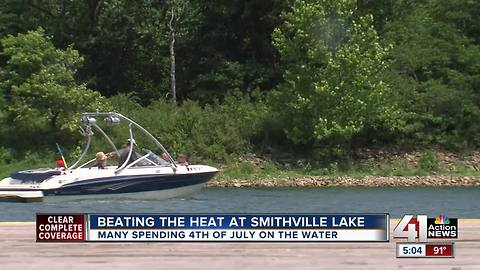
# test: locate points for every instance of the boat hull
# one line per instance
(180, 192)
(130, 184)
(148, 186)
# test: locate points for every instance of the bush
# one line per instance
(209, 133)
(5, 155)
(428, 161)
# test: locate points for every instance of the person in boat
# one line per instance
(182, 160)
(100, 160)
(164, 160)
(60, 165)
(124, 153)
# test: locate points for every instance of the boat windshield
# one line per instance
(158, 160)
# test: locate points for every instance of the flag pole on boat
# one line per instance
(61, 154)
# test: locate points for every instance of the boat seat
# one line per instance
(34, 176)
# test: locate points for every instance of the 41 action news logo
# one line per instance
(422, 228)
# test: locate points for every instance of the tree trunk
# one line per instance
(173, 87)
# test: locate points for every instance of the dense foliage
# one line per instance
(436, 70)
(41, 97)
(211, 132)
(333, 87)
(318, 77)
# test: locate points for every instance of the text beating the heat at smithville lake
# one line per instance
(239, 221)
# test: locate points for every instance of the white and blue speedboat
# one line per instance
(143, 174)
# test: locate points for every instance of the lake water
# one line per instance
(454, 202)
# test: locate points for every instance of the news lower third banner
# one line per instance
(213, 227)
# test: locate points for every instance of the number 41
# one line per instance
(412, 228)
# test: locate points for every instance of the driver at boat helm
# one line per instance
(124, 153)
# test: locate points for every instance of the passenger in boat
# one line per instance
(182, 160)
(124, 153)
(60, 165)
(100, 160)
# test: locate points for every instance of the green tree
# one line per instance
(220, 46)
(234, 50)
(436, 71)
(182, 17)
(38, 83)
(333, 85)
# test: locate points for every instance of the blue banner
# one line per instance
(238, 221)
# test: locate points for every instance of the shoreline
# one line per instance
(348, 181)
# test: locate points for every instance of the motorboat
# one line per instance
(143, 174)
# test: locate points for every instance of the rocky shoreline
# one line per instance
(347, 181)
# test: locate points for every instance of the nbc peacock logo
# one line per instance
(442, 220)
(442, 227)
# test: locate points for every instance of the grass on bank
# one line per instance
(269, 170)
